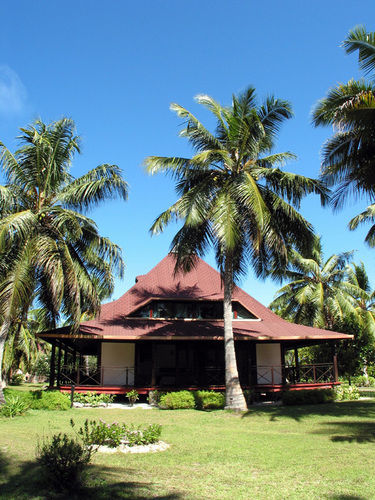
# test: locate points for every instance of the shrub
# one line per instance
(209, 400)
(181, 400)
(132, 396)
(362, 381)
(346, 393)
(306, 397)
(99, 433)
(137, 435)
(64, 459)
(17, 379)
(14, 406)
(93, 399)
(48, 400)
(153, 397)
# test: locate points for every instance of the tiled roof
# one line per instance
(202, 283)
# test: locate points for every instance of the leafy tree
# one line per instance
(49, 250)
(349, 155)
(234, 197)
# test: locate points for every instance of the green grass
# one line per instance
(310, 452)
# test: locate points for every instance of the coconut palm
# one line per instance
(349, 155)
(317, 293)
(231, 197)
(50, 251)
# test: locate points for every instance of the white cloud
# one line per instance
(12, 91)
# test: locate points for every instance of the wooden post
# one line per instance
(335, 367)
(59, 365)
(99, 363)
(296, 361)
(52, 367)
(283, 377)
(153, 369)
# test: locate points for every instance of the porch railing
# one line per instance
(287, 374)
(70, 374)
(206, 377)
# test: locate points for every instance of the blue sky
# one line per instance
(115, 66)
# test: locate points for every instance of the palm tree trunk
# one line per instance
(4, 330)
(234, 398)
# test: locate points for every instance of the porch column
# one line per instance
(99, 363)
(153, 369)
(59, 365)
(335, 367)
(283, 375)
(296, 361)
(52, 366)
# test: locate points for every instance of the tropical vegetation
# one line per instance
(333, 294)
(349, 155)
(234, 197)
(51, 253)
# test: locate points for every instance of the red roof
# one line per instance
(202, 283)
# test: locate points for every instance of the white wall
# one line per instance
(268, 355)
(116, 357)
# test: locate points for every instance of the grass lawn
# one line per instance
(323, 452)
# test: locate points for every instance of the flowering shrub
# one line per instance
(100, 433)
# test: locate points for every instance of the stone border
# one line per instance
(142, 448)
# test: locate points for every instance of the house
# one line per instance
(166, 333)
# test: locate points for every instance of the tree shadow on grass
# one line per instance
(362, 409)
(349, 431)
(344, 497)
(101, 484)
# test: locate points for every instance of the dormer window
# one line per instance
(176, 309)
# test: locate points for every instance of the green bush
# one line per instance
(92, 398)
(64, 459)
(347, 393)
(48, 400)
(307, 397)
(99, 433)
(209, 400)
(181, 400)
(132, 396)
(17, 379)
(362, 381)
(14, 406)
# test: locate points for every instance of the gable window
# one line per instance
(175, 309)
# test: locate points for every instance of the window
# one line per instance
(175, 309)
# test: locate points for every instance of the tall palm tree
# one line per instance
(349, 155)
(317, 293)
(49, 250)
(231, 197)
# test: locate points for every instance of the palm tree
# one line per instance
(364, 302)
(317, 293)
(50, 251)
(349, 155)
(231, 197)
(22, 349)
